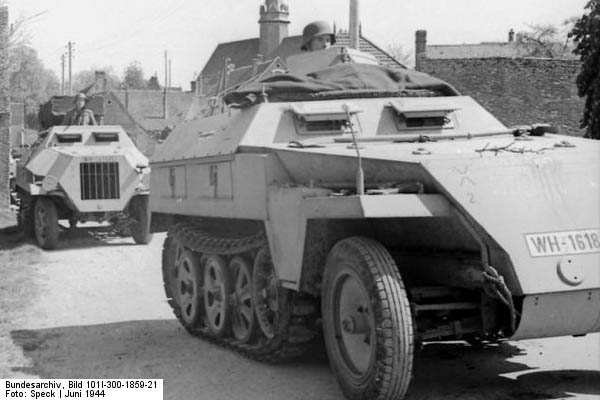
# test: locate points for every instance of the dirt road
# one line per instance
(95, 308)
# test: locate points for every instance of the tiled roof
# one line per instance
(366, 46)
(240, 53)
(238, 77)
(481, 50)
(288, 47)
(291, 45)
(146, 107)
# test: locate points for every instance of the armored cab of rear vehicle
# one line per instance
(383, 203)
(80, 174)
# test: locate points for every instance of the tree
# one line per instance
(18, 34)
(85, 78)
(404, 57)
(547, 41)
(30, 82)
(586, 35)
(153, 83)
(133, 76)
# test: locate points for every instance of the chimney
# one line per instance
(354, 28)
(511, 36)
(420, 47)
(274, 22)
(100, 81)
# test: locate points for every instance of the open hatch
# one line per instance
(312, 119)
(409, 117)
(102, 137)
(69, 137)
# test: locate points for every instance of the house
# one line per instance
(516, 88)
(268, 52)
(147, 115)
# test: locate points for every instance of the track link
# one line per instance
(297, 328)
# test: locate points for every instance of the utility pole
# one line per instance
(165, 116)
(62, 67)
(170, 73)
(70, 52)
(166, 71)
(354, 30)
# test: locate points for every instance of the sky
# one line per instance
(113, 33)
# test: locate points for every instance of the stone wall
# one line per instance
(518, 91)
(4, 110)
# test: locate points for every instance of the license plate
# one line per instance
(563, 243)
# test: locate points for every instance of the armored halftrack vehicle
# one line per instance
(381, 205)
(83, 173)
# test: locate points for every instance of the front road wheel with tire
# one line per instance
(45, 219)
(139, 210)
(367, 321)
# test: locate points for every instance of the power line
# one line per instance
(122, 38)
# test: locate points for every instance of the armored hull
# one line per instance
(408, 218)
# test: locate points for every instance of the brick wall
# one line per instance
(4, 109)
(518, 91)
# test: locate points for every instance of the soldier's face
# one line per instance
(80, 103)
(320, 42)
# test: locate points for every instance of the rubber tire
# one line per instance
(50, 240)
(140, 211)
(389, 374)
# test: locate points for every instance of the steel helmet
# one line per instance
(313, 29)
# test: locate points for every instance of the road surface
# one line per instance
(95, 308)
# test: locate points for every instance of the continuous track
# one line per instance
(297, 316)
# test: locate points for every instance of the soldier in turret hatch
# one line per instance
(317, 35)
(80, 115)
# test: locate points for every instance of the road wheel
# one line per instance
(367, 321)
(46, 223)
(217, 288)
(243, 322)
(182, 276)
(139, 210)
(269, 298)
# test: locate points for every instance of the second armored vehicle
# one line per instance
(83, 173)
